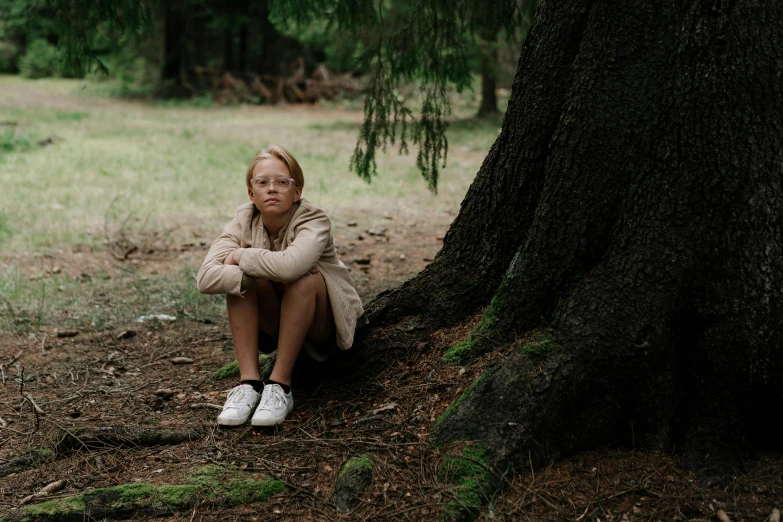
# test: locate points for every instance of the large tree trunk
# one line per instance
(632, 208)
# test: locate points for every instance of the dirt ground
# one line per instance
(135, 377)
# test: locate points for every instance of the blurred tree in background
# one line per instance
(182, 48)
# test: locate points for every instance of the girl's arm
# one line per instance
(215, 276)
(312, 238)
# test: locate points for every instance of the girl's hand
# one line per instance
(233, 257)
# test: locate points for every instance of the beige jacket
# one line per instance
(305, 241)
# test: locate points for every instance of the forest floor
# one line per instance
(130, 379)
(120, 414)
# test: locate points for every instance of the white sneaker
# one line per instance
(274, 407)
(241, 404)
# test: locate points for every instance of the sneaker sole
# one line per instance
(269, 422)
(231, 422)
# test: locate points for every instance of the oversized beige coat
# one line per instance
(305, 241)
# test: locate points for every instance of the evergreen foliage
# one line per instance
(412, 40)
(81, 21)
(40, 61)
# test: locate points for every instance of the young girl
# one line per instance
(285, 287)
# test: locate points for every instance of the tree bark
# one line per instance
(632, 207)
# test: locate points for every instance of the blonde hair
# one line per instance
(276, 151)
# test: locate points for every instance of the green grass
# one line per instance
(160, 174)
(94, 301)
(181, 165)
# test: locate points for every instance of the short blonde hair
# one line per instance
(276, 151)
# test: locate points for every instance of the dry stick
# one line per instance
(43, 344)
(36, 409)
(53, 487)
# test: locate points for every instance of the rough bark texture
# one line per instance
(651, 254)
(497, 211)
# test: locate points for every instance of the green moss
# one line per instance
(56, 508)
(226, 372)
(540, 344)
(172, 495)
(459, 353)
(457, 402)
(492, 313)
(470, 473)
(232, 369)
(242, 491)
(360, 462)
(217, 482)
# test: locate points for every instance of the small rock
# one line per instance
(182, 360)
(352, 224)
(67, 333)
(402, 257)
(362, 260)
(636, 510)
(360, 237)
(56, 270)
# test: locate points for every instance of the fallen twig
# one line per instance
(47, 490)
(196, 405)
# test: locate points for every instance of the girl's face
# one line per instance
(275, 198)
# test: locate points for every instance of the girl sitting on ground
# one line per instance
(285, 287)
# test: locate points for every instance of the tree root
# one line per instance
(121, 437)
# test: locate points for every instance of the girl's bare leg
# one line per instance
(259, 308)
(305, 313)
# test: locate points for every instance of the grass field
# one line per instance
(84, 172)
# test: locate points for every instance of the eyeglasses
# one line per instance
(282, 184)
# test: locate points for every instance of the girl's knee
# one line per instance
(308, 284)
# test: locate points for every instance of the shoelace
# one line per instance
(269, 400)
(235, 398)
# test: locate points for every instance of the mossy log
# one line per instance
(222, 486)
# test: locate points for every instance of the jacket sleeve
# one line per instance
(214, 277)
(311, 238)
